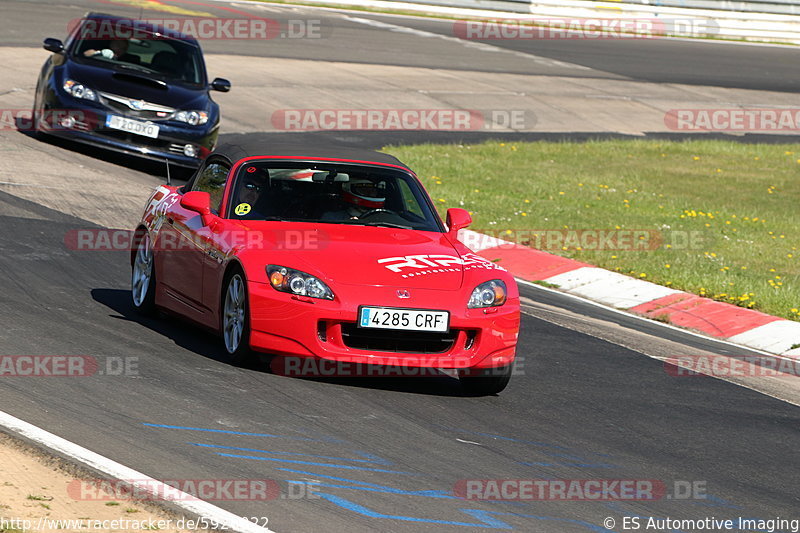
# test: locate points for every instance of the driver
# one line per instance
(117, 49)
(247, 202)
(359, 196)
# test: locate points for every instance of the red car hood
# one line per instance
(362, 255)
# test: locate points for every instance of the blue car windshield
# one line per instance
(160, 57)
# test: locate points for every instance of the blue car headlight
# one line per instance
(79, 90)
(193, 118)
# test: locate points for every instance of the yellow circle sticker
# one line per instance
(242, 209)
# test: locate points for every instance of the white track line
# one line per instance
(121, 472)
(469, 44)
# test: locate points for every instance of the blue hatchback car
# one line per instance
(143, 92)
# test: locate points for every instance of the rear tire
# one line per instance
(235, 319)
(485, 381)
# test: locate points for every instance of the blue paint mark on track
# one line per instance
(487, 519)
(344, 467)
(369, 487)
(236, 448)
(230, 432)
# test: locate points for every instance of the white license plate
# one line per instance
(409, 319)
(145, 129)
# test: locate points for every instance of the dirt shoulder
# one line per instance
(39, 493)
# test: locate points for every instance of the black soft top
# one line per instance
(240, 149)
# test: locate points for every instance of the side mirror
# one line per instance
(197, 201)
(221, 84)
(53, 45)
(457, 219)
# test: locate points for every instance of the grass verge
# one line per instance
(720, 217)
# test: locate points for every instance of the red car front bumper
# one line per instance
(289, 325)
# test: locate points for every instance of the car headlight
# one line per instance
(297, 282)
(488, 294)
(193, 118)
(78, 90)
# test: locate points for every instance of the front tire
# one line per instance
(143, 278)
(236, 319)
(485, 381)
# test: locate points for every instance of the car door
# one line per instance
(187, 240)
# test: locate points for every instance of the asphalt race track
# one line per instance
(590, 401)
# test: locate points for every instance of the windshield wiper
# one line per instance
(128, 66)
(384, 224)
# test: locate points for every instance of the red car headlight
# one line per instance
(293, 281)
(489, 294)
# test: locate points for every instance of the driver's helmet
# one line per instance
(364, 193)
(253, 181)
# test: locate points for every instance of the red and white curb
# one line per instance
(721, 320)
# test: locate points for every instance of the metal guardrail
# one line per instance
(689, 17)
(775, 7)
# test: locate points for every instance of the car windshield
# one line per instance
(148, 54)
(332, 194)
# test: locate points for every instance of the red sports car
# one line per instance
(325, 255)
